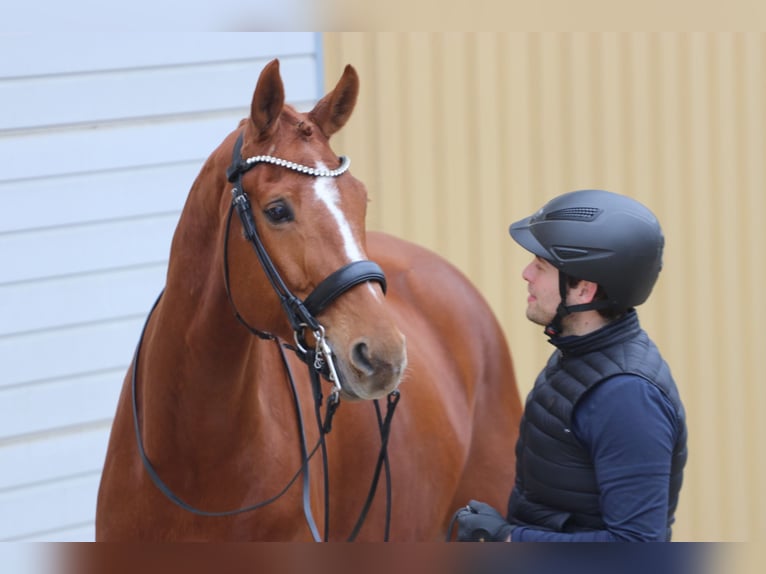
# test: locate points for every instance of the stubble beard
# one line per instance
(534, 315)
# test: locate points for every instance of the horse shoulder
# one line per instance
(461, 348)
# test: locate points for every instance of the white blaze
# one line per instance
(327, 192)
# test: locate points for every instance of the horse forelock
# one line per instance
(295, 137)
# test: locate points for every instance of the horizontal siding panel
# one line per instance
(53, 457)
(88, 298)
(29, 559)
(87, 248)
(27, 409)
(78, 533)
(41, 154)
(119, 95)
(85, 198)
(43, 508)
(105, 52)
(68, 352)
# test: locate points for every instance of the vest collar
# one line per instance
(613, 333)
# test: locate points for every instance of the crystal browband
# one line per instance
(344, 165)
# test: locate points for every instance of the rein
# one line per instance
(159, 483)
(319, 359)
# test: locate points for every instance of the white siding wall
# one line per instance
(100, 141)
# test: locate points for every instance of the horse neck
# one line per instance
(199, 366)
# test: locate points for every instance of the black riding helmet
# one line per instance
(598, 236)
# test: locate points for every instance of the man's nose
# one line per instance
(526, 273)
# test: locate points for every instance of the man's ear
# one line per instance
(585, 291)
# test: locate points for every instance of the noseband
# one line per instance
(301, 315)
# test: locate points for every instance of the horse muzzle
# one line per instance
(371, 369)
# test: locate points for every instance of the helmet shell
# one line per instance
(599, 236)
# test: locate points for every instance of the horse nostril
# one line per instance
(360, 357)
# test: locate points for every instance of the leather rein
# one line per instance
(319, 358)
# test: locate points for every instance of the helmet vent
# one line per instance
(566, 253)
(574, 214)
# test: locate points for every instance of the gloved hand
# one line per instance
(479, 522)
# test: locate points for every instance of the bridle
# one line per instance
(302, 317)
(301, 314)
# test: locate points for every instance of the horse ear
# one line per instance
(332, 112)
(268, 100)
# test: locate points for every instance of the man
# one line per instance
(602, 442)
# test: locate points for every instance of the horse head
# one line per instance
(308, 214)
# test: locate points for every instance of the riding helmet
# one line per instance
(598, 236)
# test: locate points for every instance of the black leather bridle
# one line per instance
(319, 358)
(300, 313)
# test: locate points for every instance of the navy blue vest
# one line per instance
(556, 487)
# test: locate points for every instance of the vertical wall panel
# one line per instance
(751, 184)
(457, 135)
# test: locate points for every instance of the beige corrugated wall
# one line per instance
(458, 134)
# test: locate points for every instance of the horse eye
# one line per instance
(278, 213)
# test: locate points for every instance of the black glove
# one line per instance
(479, 522)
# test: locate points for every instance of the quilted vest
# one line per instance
(556, 487)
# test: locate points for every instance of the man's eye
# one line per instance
(278, 213)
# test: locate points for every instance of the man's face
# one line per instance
(543, 286)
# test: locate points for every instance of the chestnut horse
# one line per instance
(272, 303)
